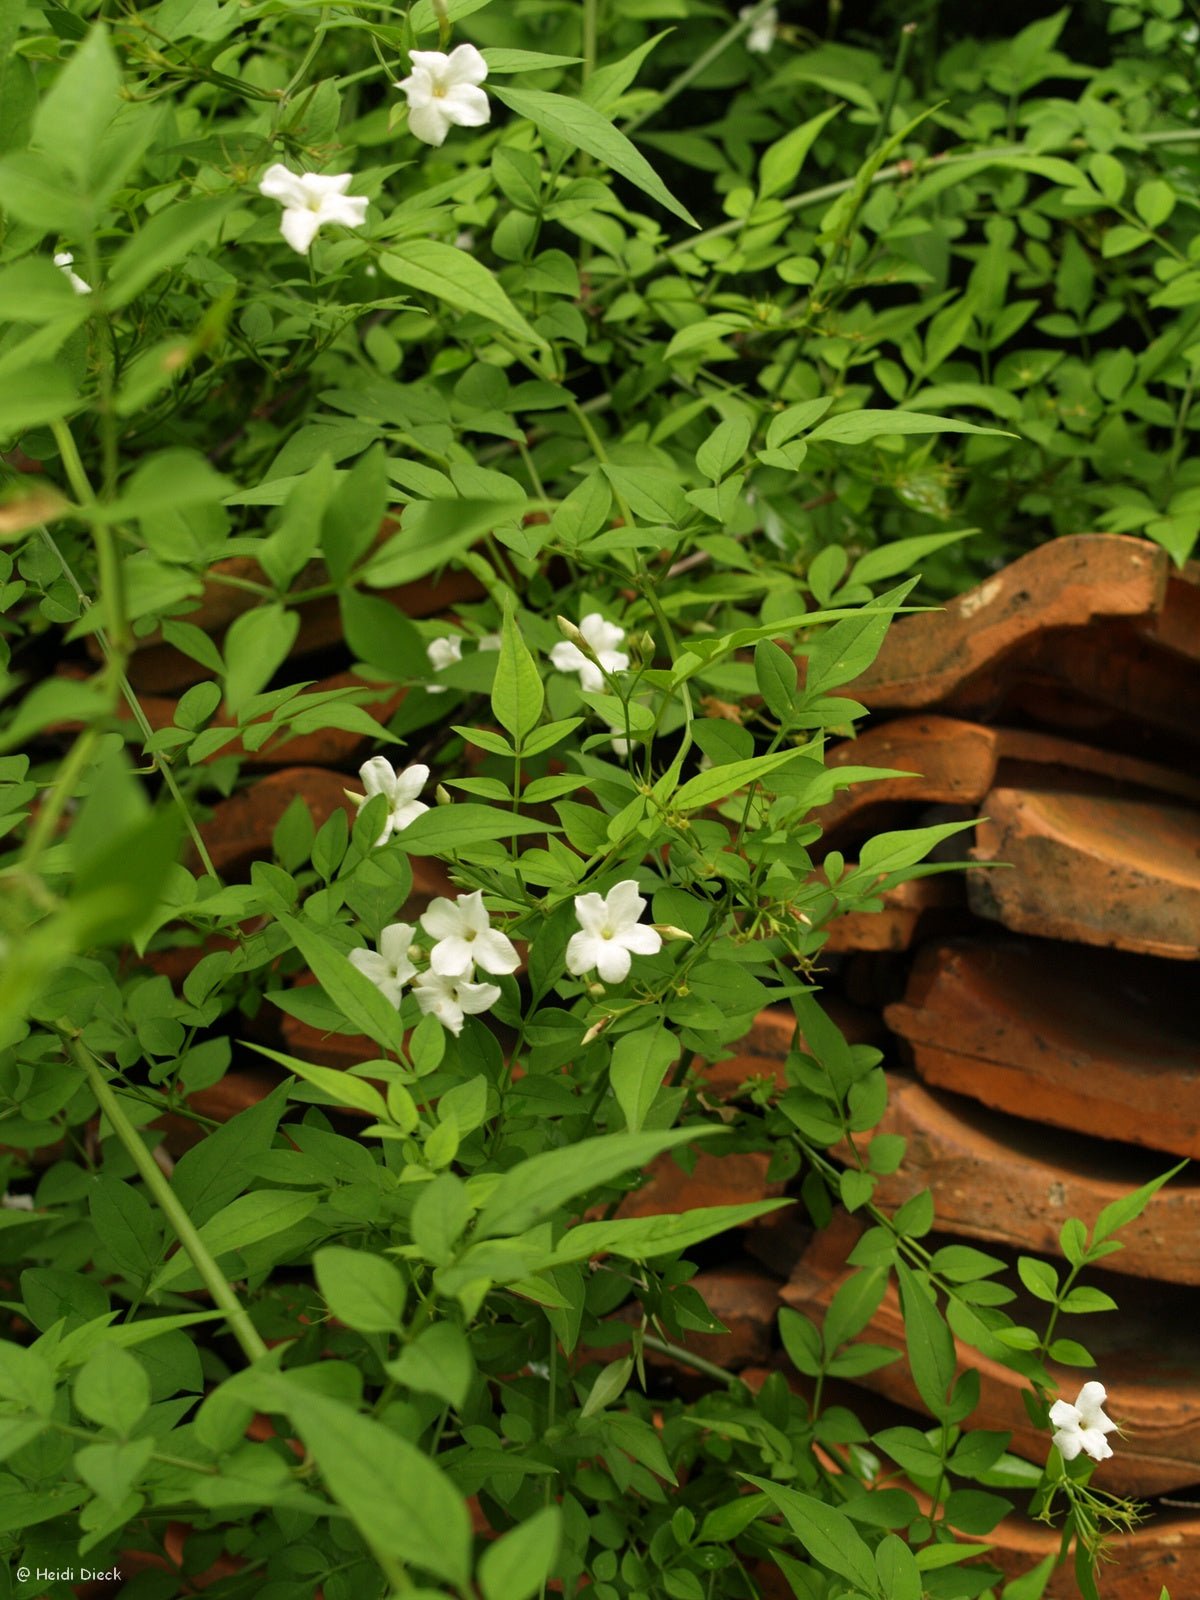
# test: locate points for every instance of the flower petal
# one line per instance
(625, 904)
(464, 64)
(299, 228)
(477, 997)
(591, 911)
(378, 776)
(613, 962)
(642, 941)
(468, 107)
(1069, 1444)
(495, 952)
(442, 919)
(453, 958)
(429, 123)
(279, 183)
(408, 784)
(583, 951)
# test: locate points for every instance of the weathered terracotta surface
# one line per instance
(1101, 869)
(1005, 1181)
(735, 1179)
(1091, 1041)
(1177, 626)
(1148, 1356)
(1064, 583)
(954, 762)
(1165, 1552)
(242, 826)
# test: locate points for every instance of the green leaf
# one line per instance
(539, 1186)
(899, 1574)
(930, 1344)
(1039, 1278)
(724, 448)
(517, 692)
(43, 394)
(901, 555)
(382, 636)
(645, 1238)
(1154, 202)
(848, 648)
(775, 673)
(244, 1221)
(782, 161)
(445, 830)
(350, 990)
(458, 279)
(720, 782)
(256, 646)
(437, 1362)
(431, 533)
(338, 1088)
(516, 1566)
(164, 240)
(581, 127)
(113, 1389)
(79, 105)
(856, 427)
(1119, 1213)
(802, 1341)
(830, 1538)
(402, 1503)
(639, 1064)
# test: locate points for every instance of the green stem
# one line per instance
(907, 34)
(591, 29)
(154, 1178)
(78, 760)
(687, 1359)
(704, 60)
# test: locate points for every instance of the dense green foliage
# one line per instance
(729, 349)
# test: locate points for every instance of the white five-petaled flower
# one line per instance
(441, 653)
(762, 34)
(466, 938)
(443, 92)
(1082, 1426)
(450, 999)
(310, 200)
(603, 638)
(17, 1202)
(64, 261)
(391, 969)
(402, 788)
(610, 933)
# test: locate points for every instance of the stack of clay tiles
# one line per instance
(1042, 1028)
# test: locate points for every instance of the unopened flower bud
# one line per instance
(642, 646)
(596, 990)
(571, 633)
(669, 931)
(597, 1028)
(443, 796)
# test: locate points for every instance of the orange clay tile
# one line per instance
(242, 826)
(1101, 681)
(1063, 583)
(1014, 1183)
(1101, 869)
(920, 906)
(1100, 1043)
(949, 761)
(735, 1179)
(1177, 626)
(1146, 1356)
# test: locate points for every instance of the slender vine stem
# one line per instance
(214, 1280)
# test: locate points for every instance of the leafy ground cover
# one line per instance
(692, 346)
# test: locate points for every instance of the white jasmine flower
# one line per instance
(64, 261)
(309, 201)
(610, 933)
(762, 35)
(491, 641)
(451, 999)
(603, 639)
(391, 969)
(465, 938)
(1082, 1426)
(443, 92)
(402, 788)
(465, 240)
(17, 1202)
(441, 653)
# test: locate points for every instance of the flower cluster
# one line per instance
(463, 939)
(442, 92)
